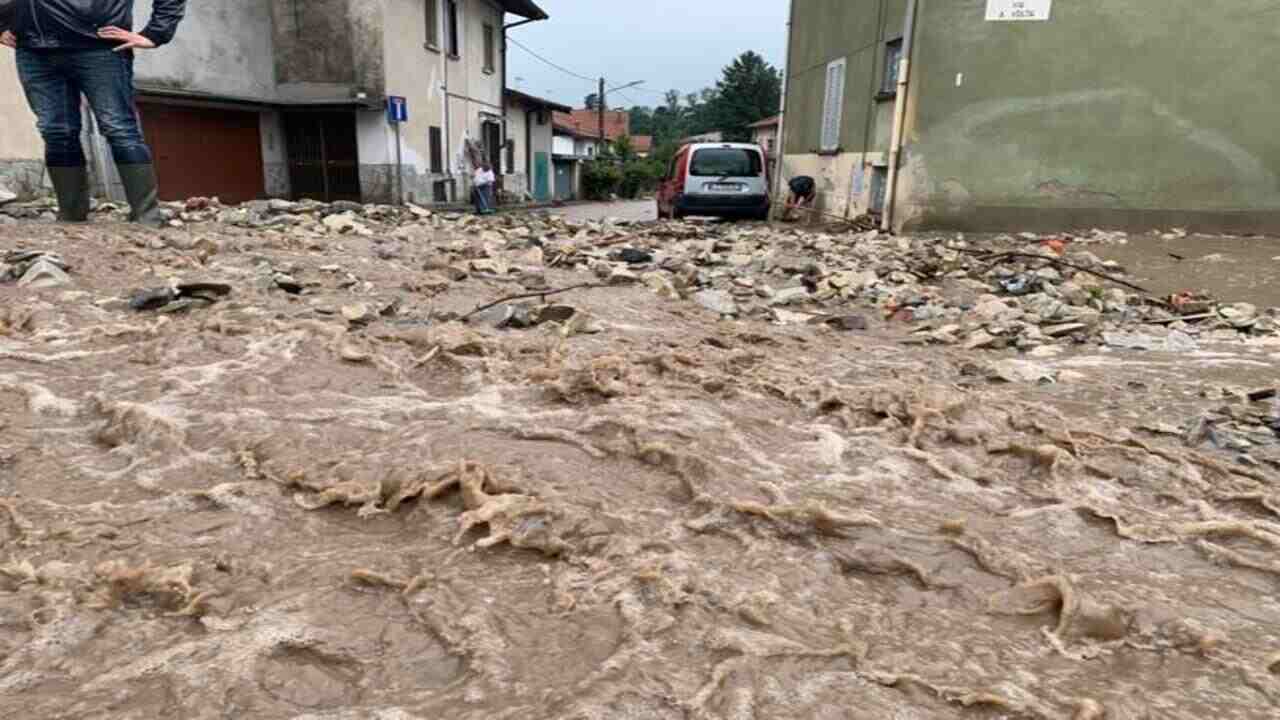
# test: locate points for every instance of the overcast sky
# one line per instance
(679, 44)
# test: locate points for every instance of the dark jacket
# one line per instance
(52, 24)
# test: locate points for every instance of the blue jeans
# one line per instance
(54, 80)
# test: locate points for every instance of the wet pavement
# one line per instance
(632, 210)
(326, 496)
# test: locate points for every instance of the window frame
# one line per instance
(452, 29)
(892, 66)
(435, 143)
(431, 10)
(490, 49)
(833, 105)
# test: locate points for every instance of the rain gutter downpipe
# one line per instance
(899, 116)
(782, 108)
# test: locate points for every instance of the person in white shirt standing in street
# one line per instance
(478, 193)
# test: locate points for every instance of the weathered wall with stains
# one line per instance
(222, 48)
(1125, 114)
(328, 49)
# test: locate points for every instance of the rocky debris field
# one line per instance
(304, 460)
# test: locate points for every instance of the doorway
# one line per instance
(324, 158)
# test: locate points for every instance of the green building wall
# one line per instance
(1115, 113)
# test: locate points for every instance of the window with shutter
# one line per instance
(833, 107)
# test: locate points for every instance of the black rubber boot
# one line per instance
(71, 186)
(144, 199)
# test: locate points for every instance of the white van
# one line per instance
(719, 179)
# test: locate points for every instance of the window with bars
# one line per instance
(433, 23)
(490, 61)
(833, 106)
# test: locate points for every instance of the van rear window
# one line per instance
(725, 162)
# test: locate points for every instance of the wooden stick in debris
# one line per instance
(997, 258)
(544, 294)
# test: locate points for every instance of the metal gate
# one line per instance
(324, 159)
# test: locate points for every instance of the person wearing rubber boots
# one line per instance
(69, 48)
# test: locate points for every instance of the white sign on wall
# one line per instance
(1013, 10)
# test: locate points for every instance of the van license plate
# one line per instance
(724, 187)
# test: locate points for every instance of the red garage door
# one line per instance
(204, 152)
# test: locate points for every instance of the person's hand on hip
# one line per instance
(8, 39)
(130, 40)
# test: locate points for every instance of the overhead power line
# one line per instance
(566, 71)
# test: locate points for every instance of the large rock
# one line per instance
(6, 195)
(789, 295)
(343, 223)
(995, 310)
(717, 301)
(44, 274)
(1013, 370)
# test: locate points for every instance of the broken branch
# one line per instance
(996, 259)
(525, 296)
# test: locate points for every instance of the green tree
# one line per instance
(623, 150)
(749, 91)
(642, 121)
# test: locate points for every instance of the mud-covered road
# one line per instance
(346, 503)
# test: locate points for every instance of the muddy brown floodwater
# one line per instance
(1245, 269)
(253, 511)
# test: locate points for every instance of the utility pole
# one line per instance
(600, 112)
(600, 105)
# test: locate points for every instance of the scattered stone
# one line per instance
(978, 340)
(632, 256)
(1013, 370)
(717, 301)
(1057, 331)
(848, 323)
(357, 313)
(353, 353)
(343, 223)
(789, 295)
(287, 283)
(43, 274)
(1175, 341)
(787, 317)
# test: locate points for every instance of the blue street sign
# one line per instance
(397, 110)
